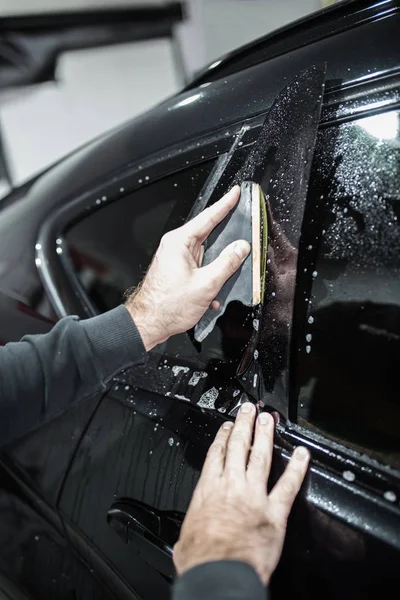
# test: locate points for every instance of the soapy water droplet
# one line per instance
(308, 349)
(314, 274)
(310, 247)
(255, 354)
(349, 475)
(147, 178)
(255, 380)
(390, 496)
(308, 337)
(236, 393)
(196, 377)
(256, 324)
(98, 201)
(180, 397)
(311, 320)
(38, 247)
(222, 409)
(36, 538)
(178, 369)
(207, 400)
(171, 441)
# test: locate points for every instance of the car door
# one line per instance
(36, 557)
(133, 476)
(344, 399)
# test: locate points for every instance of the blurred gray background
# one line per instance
(97, 88)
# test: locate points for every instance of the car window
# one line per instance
(349, 344)
(112, 248)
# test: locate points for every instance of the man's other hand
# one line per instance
(231, 516)
(177, 290)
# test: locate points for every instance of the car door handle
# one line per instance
(150, 532)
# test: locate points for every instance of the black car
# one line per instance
(92, 502)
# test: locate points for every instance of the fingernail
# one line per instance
(242, 249)
(227, 425)
(247, 407)
(264, 418)
(301, 453)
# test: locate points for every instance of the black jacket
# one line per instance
(43, 375)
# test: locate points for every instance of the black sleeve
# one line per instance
(42, 375)
(220, 580)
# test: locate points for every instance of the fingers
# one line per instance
(288, 486)
(240, 440)
(214, 463)
(201, 226)
(261, 453)
(227, 263)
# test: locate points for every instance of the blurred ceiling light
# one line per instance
(382, 127)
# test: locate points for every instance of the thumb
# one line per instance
(227, 263)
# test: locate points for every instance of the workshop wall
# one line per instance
(232, 23)
(95, 90)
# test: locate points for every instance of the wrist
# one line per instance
(145, 324)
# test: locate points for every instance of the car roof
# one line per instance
(308, 30)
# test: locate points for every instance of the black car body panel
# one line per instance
(113, 489)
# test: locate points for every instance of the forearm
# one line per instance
(42, 375)
(220, 580)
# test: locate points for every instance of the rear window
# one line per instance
(349, 345)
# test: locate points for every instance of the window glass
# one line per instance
(349, 286)
(112, 248)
